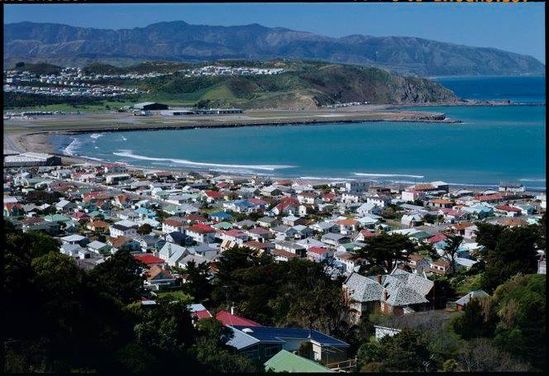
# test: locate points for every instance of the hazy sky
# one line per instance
(513, 27)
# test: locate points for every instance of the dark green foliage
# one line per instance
(295, 293)
(17, 100)
(211, 349)
(38, 68)
(476, 320)
(452, 245)
(405, 351)
(520, 307)
(198, 283)
(386, 250)
(144, 229)
(121, 276)
(514, 251)
(39, 197)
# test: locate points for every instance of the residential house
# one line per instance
(123, 228)
(158, 278)
(466, 299)
(396, 293)
(260, 343)
(201, 233)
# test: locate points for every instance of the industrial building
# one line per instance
(31, 159)
(150, 106)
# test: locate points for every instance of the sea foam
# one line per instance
(184, 162)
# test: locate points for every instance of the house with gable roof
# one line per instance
(396, 293)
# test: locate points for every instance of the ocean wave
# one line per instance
(95, 136)
(184, 162)
(373, 175)
(72, 147)
(532, 180)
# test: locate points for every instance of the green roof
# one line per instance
(285, 361)
(56, 218)
(223, 225)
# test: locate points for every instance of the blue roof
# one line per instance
(221, 214)
(244, 203)
(266, 334)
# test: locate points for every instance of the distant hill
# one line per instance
(304, 85)
(180, 41)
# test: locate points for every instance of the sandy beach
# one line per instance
(31, 134)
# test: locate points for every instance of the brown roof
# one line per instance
(118, 241)
(283, 253)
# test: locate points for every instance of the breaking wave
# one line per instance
(184, 162)
(95, 136)
(72, 147)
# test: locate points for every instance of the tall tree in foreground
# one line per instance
(386, 250)
(451, 248)
(514, 252)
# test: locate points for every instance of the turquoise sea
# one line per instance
(492, 145)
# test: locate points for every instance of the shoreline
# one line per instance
(37, 139)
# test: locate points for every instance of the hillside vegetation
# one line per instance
(303, 85)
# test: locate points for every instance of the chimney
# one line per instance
(232, 310)
(378, 278)
(385, 295)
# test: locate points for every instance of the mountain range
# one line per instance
(180, 41)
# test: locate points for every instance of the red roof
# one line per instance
(508, 208)
(204, 314)
(201, 228)
(437, 238)
(148, 259)
(214, 194)
(227, 319)
(367, 233)
(319, 250)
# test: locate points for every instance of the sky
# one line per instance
(516, 27)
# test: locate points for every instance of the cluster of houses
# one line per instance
(168, 219)
(220, 70)
(70, 82)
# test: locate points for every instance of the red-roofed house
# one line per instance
(201, 233)
(508, 210)
(363, 235)
(319, 254)
(227, 318)
(149, 260)
(347, 226)
(234, 235)
(173, 224)
(288, 205)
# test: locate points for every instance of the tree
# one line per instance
(121, 276)
(514, 252)
(451, 248)
(520, 307)
(144, 229)
(475, 321)
(488, 234)
(198, 283)
(386, 250)
(405, 351)
(480, 355)
(211, 349)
